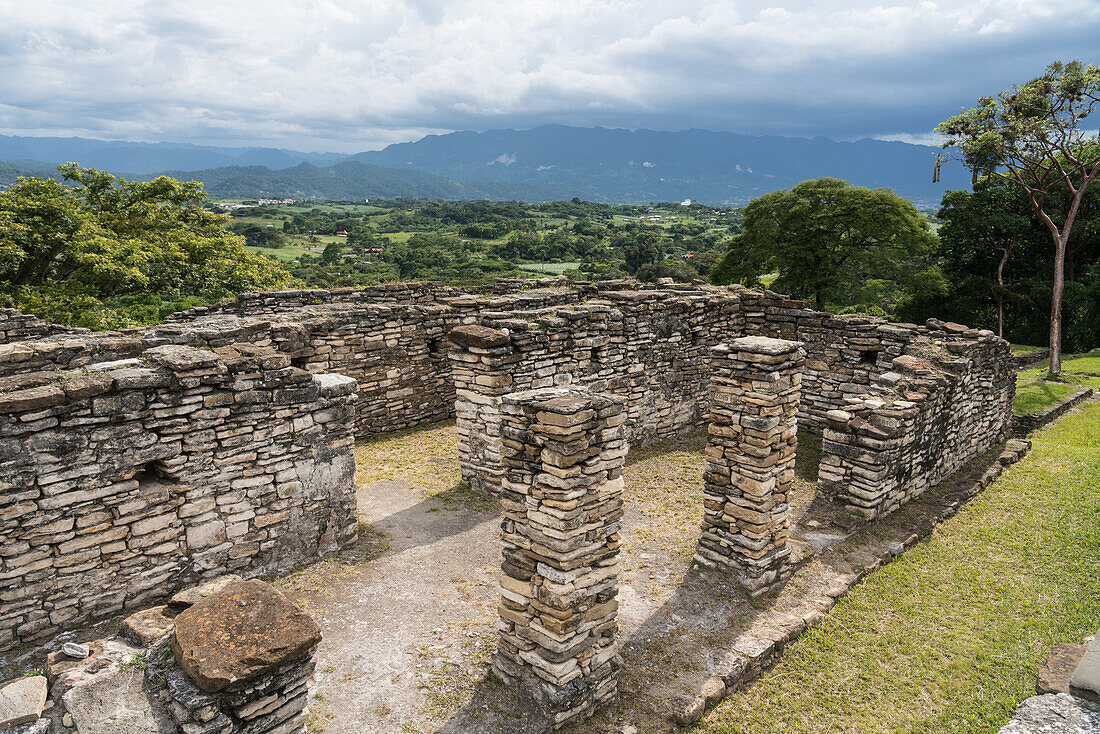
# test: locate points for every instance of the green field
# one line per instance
(949, 637)
(287, 253)
(1079, 369)
(1036, 391)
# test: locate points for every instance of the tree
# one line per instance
(1032, 135)
(84, 253)
(980, 232)
(825, 238)
(331, 253)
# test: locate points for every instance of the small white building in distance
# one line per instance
(685, 202)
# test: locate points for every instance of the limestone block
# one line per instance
(22, 700)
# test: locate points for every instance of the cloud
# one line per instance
(341, 75)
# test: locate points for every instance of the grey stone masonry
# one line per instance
(755, 388)
(226, 657)
(121, 482)
(563, 452)
(945, 404)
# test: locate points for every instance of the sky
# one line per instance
(350, 76)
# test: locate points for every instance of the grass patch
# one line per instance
(1033, 396)
(549, 268)
(949, 638)
(425, 456)
(1080, 369)
(664, 480)
(1024, 349)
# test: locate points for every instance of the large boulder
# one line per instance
(243, 631)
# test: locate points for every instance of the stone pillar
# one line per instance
(481, 361)
(563, 453)
(755, 387)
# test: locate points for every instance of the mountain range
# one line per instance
(541, 164)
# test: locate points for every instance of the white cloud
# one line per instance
(343, 75)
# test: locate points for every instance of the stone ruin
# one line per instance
(139, 462)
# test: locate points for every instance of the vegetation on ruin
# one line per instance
(949, 638)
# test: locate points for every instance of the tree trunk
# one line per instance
(1056, 304)
(1001, 291)
(1001, 315)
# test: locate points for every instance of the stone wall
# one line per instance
(751, 444)
(123, 480)
(15, 326)
(128, 431)
(936, 412)
(649, 347)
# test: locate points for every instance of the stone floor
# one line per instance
(408, 615)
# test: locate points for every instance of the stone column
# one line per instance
(755, 387)
(563, 452)
(481, 363)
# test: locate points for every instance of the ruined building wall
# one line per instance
(943, 409)
(651, 348)
(93, 522)
(122, 481)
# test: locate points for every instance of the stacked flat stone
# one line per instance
(128, 480)
(563, 453)
(480, 364)
(246, 657)
(652, 348)
(753, 434)
(226, 657)
(942, 409)
(130, 466)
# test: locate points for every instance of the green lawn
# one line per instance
(1024, 349)
(949, 637)
(1033, 396)
(1080, 369)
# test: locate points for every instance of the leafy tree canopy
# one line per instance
(104, 252)
(824, 240)
(1034, 135)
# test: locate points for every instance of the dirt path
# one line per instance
(408, 615)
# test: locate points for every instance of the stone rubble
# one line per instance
(239, 660)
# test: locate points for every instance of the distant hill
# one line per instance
(11, 170)
(543, 164)
(645, 165)
(138, 158)
(349, 180)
